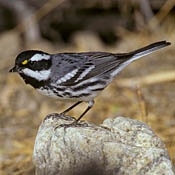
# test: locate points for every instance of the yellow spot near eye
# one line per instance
(24, 62)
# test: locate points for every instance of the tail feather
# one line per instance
(148, 49)
(127, 58)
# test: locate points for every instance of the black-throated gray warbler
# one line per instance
(75, 76)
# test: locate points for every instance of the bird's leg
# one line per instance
(90, 105)
(75, 123)
(71, 107)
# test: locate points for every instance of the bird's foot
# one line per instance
(73, 124)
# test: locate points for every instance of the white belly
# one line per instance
(61, 96)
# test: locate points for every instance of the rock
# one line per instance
(119, 146)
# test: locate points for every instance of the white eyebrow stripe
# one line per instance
(68, 76)
(86, 71)
(39, 75)
(39, 57)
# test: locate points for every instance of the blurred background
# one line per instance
(145, 90)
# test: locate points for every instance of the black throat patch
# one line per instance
(34, 82)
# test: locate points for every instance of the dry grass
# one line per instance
(22, 108)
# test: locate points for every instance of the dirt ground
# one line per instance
(145, 90)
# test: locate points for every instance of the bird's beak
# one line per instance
(14, 69)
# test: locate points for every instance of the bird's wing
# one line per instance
(77, 67)
(91, 64)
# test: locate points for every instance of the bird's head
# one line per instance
(33, 65)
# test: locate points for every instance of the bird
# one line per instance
(78, 77)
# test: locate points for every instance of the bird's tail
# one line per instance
(127, 58)
(134, 55)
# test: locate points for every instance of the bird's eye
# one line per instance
(24, 62)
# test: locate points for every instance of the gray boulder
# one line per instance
(119, 146)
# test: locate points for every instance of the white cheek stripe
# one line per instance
(68, 76)
(39, 75)
(39, 57)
